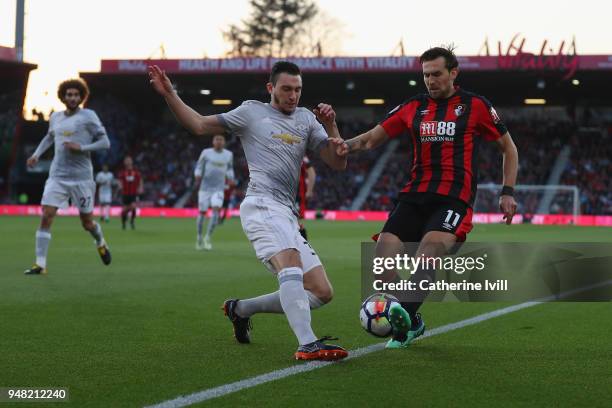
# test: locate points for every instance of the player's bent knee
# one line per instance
(48, 214)
(287, 258)
(317, 283)
(436, 243)
(325, 294)
(87, 223)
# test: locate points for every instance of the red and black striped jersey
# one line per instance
(301, 195)
(130, 181)
(303, 176)
(445, 134)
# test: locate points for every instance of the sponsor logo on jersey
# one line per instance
(437, 131)
(67, 133)
(428, 128)
(288, 138)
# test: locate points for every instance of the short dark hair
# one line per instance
(286, 67)
(436, 52)
(76, 83)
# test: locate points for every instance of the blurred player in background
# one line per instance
(435, 206)
(227, 196)
(275, 137)
(105, 179)
(131, 185)
(308, 177)
(214, 167)
(76, 132)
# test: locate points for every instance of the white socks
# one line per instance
(97, 234)
(200, 224)
(294, 301)
(212, 223)
(43, 237)
(270, 303)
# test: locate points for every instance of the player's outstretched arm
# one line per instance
(329, 154)
(365, 141)
(44, 144)
(186, 116)
(507, 204)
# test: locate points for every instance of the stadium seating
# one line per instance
(166, 154)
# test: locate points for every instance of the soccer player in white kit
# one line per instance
(104, 180)
(275, 137)
(76, 132)
(214, 167)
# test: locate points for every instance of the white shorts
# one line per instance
(104, 198)
(272, 227)
(58, 192)
(207, 199)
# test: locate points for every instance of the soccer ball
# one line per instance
(374, 314)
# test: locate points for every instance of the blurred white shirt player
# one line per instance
(104, 180)
(214, 167)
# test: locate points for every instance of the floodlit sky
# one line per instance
(64, 37)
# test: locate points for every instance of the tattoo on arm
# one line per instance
(353, 144)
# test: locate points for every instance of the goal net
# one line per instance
(531, 199)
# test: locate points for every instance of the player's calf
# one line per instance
(318, 286)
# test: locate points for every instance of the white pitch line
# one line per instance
(230, 388)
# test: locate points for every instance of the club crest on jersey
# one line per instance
(460, 109)
(288, 138)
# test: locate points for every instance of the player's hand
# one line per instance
(325, 114)
(160, 81)
(342, 148)
(31, 162)
(309, 195)
(75, 147)
(507, 205)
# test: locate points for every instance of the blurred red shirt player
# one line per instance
(306, 185)
(131, 187)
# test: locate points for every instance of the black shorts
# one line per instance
(129, 199)
(418, 213)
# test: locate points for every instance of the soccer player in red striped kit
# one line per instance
(131, 187)
(308, 178)
(434, 208)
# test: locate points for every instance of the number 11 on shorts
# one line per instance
(447, 221)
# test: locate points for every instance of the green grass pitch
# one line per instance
(149, 327)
